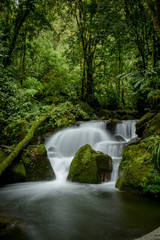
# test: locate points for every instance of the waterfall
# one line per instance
(63, 145)
(126, 129)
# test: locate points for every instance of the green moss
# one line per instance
(15, 131)
(16, 173)
(10, 159)
(37, 164)
(83, 168)
(2, 156)
(151, 183)
(19, 169)
(89, 166)
(103, 162)
(135, 168)
(152, 126)
(141, 124)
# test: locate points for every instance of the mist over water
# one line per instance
(62, 210)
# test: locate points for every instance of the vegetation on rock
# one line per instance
(74, 59)
(31, 165)
(36, 163)
(139, 170)
(89, 166)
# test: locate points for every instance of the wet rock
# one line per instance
(32, 165)
(36, 164)
(119, 138)
(111, 125)
(51, 149)
(135, 140)
(137, 171)
(89, 166)
(141, 124)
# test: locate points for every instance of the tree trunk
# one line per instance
(89, 86)
(155, 24)
(21, 17)
(10, 159)
(83, 82)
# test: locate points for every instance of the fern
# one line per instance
(155, 150)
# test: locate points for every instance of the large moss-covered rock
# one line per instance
(152, 126)
(104, 165)
(16, 173)
(36, 164)
(2, 156)
(142, 123)
(31, 165)
(89, 166)
(137, 171)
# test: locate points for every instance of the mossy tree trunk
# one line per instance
(10, 159)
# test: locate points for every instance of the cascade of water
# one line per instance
(63, 145)
(94, 124)
(126, 129)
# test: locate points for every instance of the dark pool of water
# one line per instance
(68, 211)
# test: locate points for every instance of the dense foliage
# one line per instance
(103, 52)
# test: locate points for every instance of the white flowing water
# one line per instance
(63, 145)
(62, 210)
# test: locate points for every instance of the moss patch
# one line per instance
(141, 124)
(135, 168)
(152, 126)
(89, 166)
(2, 156)
(37, 164)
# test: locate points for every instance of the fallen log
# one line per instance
(10, 159)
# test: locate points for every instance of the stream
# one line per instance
(62, 210)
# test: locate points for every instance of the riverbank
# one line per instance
(155, 235)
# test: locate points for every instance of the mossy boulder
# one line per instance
(152, 126)
(36, 164)
(142, 123)
(2, 156)
(111, 125)
(31, 165)
(89, 166)
(104, 165)
(16, 173)
(137, 171)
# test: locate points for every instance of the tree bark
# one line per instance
(10, 159)
(155, 24)
(21, 17)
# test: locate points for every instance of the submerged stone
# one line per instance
(119, 138)
(89, 166)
